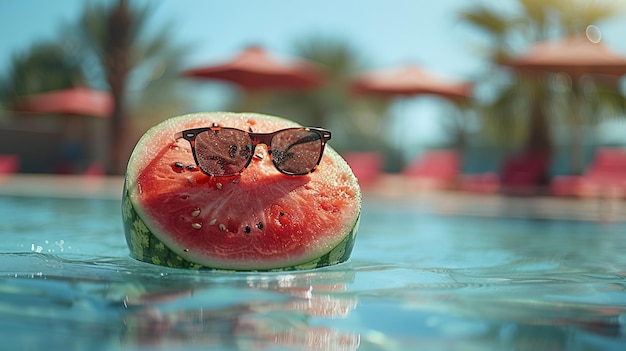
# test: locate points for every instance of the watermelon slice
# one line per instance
(260, 220)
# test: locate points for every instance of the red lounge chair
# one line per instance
(95, 169)
(367, 166)
(437, 169)
(9, 164)
(525, 173)
(605, 176)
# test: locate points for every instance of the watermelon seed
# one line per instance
(218, 185)
(258, 156)
(259, 225)
(222, 227)
(247, 229)
(191, 167)
(213, 221)
(178, 167)
(281, 213)
(189, 180)
(195, 212)
(186, 250)
(196, 225)
(236, 180)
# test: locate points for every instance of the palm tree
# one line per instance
(115, 37)
(45, 67)
(522, 109)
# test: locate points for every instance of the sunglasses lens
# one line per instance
(223, 152)
(297, 151)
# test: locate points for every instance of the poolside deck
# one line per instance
(391, 189)
(64, 186)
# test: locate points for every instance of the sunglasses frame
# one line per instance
(256, 139)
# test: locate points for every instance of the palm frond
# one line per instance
(486, 19)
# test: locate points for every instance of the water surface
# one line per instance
(416, 280)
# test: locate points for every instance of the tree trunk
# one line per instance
(539, 145)
(116, 63)
(539, 136)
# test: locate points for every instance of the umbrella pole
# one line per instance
(402, 153)
(576, 151)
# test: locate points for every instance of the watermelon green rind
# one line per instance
(151, 243)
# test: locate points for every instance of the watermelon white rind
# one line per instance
(309, 221)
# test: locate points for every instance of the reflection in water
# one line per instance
(257, 313)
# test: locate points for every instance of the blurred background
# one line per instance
(81, 81)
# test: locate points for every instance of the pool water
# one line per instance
(416, 280)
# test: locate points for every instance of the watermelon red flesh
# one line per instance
(261, 219)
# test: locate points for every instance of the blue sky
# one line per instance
(386, 33)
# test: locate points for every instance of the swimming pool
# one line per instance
(416, 280)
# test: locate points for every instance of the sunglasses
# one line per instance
(223, 151)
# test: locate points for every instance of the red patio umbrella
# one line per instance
(409, 80)
(254, 69)
(576, 56)
(73, 101)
